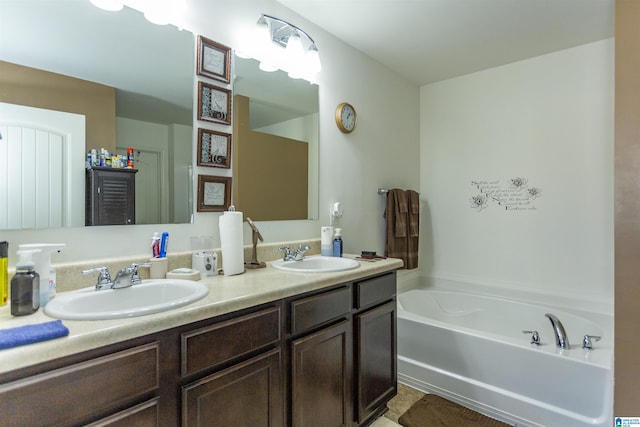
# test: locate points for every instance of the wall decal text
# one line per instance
(514, 194)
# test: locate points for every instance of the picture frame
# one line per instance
(213, 60)
(214, 148)
(214, 193)
(214, 103)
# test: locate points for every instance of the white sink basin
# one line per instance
(317, 264)
(150, 296)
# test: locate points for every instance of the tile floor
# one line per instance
(406, 397)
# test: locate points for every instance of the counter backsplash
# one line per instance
(69, 276)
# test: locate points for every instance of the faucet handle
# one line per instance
(535, 337)
(135, 277)
(104, 278)
(587, 344)
(286, 250)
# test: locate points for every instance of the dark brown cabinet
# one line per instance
(247, 394)
(343, 353)
(375, 345)
(376, 359)
(110, 196)
(248, 390)
(325, 358)
(81, 391)
(321, 378)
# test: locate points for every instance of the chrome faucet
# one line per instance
(297, 255)
(562, 341)
(104, 278)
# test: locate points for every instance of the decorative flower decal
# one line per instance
(534, 192)
(479, 202)
(518, 183)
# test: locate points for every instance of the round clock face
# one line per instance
(346, 117)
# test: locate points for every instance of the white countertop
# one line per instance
(226, 294)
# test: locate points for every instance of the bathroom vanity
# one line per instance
(265, 348)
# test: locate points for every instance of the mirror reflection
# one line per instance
(275, 137)
(140, 77)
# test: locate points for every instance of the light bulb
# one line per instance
(264, 66)
(295, 51)
(313, 60)
(110, 5)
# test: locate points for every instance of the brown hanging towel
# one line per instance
(402, 215)
(413, 199)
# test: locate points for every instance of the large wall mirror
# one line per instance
(276, 133)
(150, 72)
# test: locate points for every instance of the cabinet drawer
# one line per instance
(73, 394)
(376, 290)
(212, 345)
(143, 415)
(307, 313)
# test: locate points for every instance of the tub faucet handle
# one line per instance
(535, 337)
(587, 344)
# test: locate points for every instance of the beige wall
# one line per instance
(262, 162)
(42, 89)
(627, 210)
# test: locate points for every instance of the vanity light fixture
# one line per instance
(110, 5)
(279, 45)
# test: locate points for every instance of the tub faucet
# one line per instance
(562, 341)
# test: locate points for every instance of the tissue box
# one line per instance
(184, 273)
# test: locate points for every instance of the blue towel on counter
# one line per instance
(30, 334)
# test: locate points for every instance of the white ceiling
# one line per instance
(431, 40)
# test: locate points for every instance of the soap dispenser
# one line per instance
(42, 261)
(25, 285)
(337, 243)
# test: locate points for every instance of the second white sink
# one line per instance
(317, 264)
(150, 296)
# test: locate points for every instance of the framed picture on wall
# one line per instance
(214, 60)
(214, 149)
(214, 193)
(214, 103)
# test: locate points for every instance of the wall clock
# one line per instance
(346, 117)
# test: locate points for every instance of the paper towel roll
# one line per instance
(231, 242)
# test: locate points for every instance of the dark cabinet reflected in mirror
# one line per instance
(140, 78)
(275, 151)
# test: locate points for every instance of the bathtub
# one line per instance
(470, 348)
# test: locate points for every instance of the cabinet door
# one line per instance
(376, 367)
(321, 378)
(248, 394)
(111, 198)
